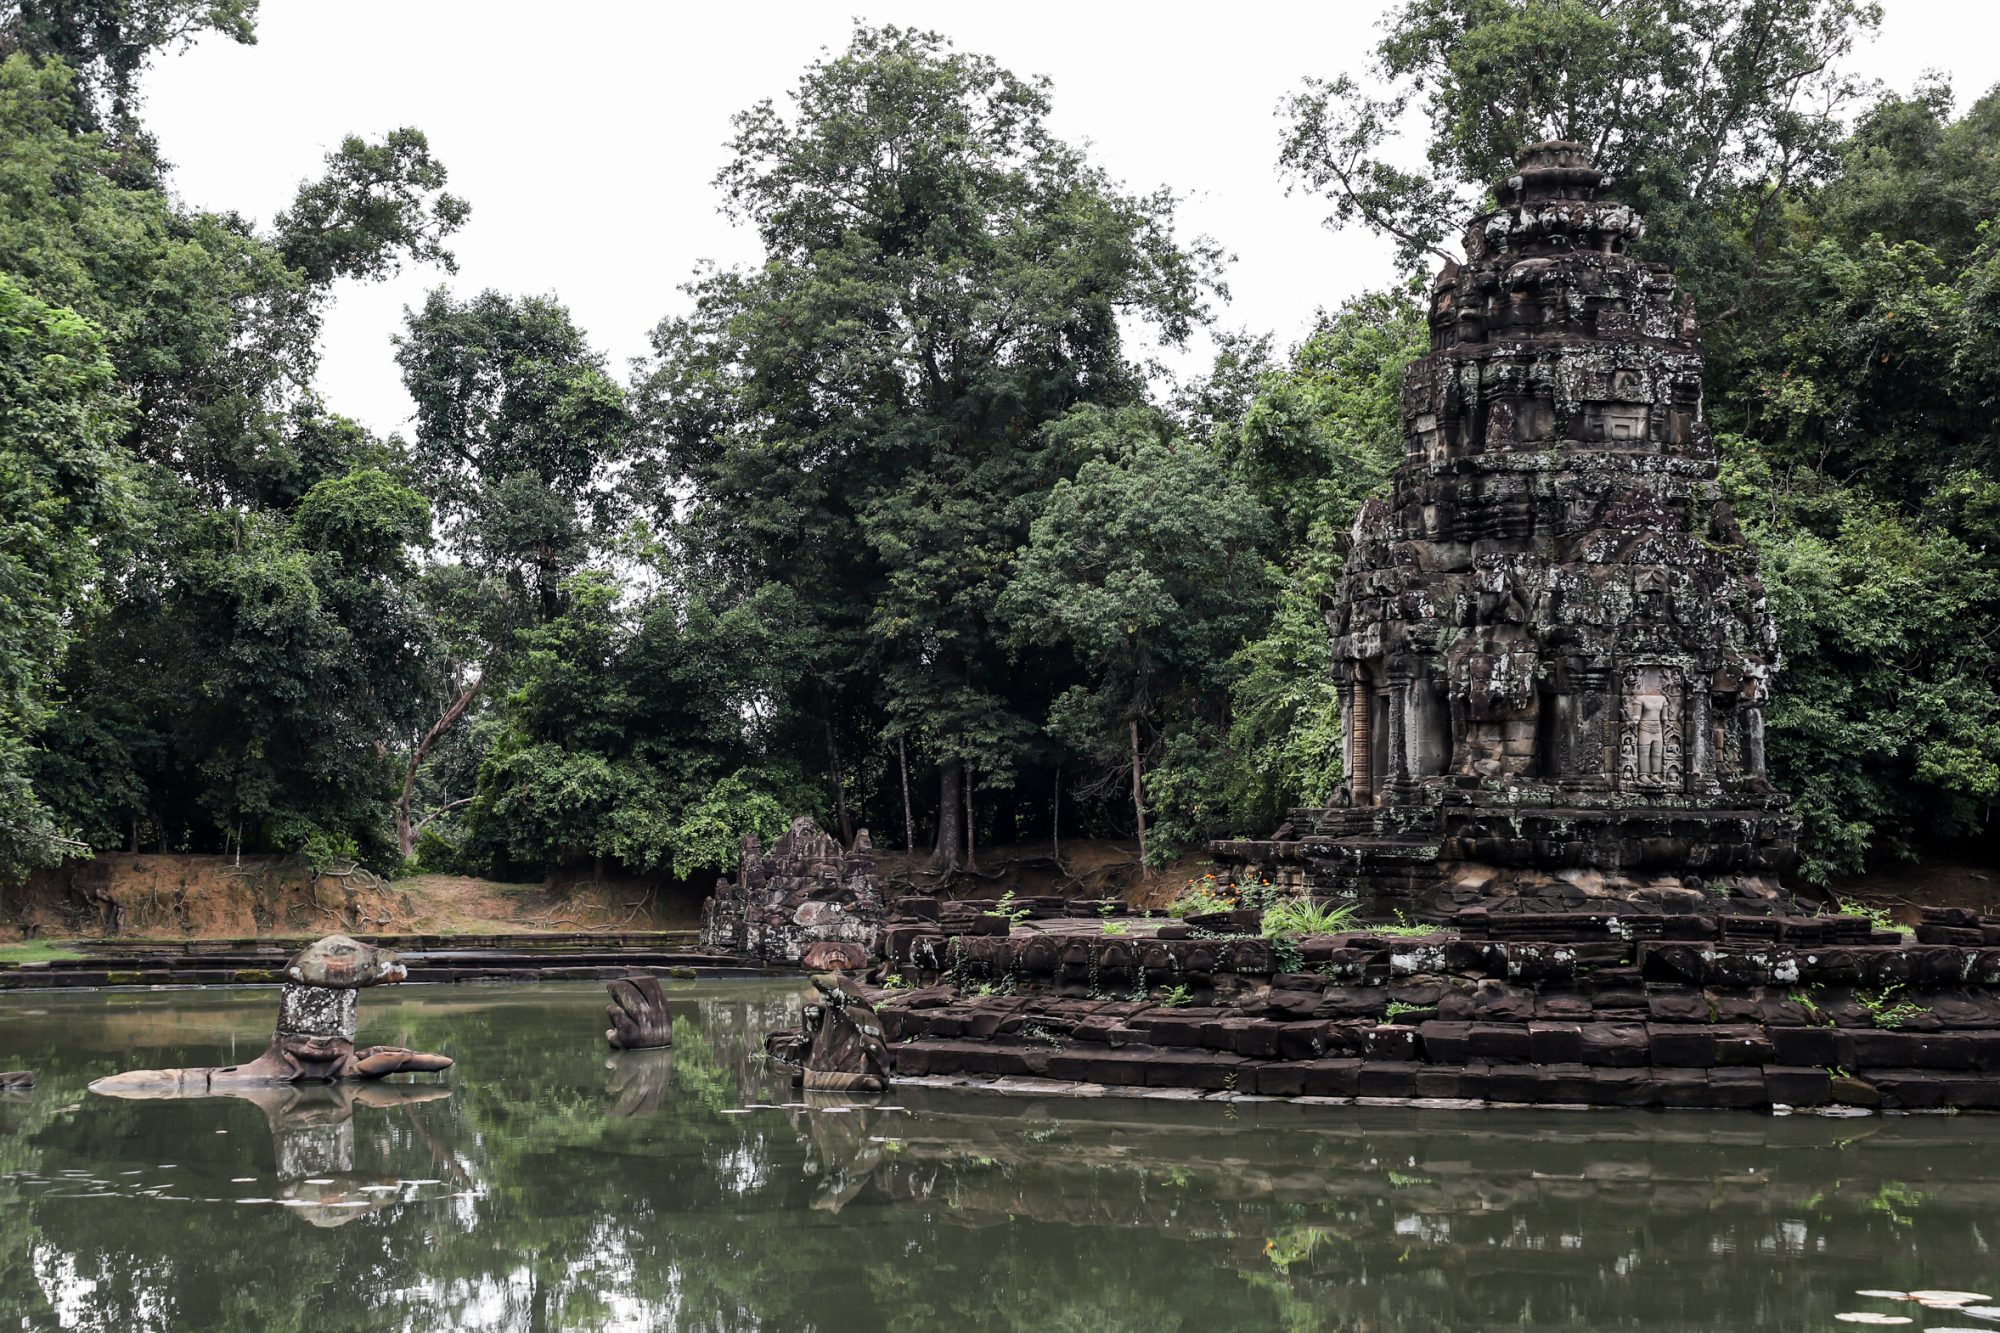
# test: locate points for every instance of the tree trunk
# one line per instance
(839, 789)
(1138, 796)
(1055, 821)
(971, 858)
(406, 837)
(909, 823)
(949, 852)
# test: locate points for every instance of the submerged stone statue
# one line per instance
(1552, 647)
(314, 1040)
(841, 1047)
(804, 891)
(639, 1016)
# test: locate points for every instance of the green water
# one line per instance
(545, 1185)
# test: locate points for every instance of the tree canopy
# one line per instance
(893, 526)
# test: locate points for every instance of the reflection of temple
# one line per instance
(1551, 643)
(1376, 1219)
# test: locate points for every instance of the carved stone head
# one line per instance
(345, 964)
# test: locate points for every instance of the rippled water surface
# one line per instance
(545, 1185)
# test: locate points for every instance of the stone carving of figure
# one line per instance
(1651, 707)
(1650, 747)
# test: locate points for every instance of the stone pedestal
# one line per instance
(317, 1011)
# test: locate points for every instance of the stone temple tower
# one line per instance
(1551, 643)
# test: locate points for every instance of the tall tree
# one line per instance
(634, 734)
(1317, 436)
(1706, 112)
(109, 43)
(859, 419)
(1152, 564)
(244, 656)
(1858, 422)
(518, 430)
(61, 492)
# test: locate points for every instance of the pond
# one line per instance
(545, 1184)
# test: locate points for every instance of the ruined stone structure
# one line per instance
(1509, 1008)
(802, 892)
(1551, 643)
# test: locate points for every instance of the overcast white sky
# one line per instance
(585, 135)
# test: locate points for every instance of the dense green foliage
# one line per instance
(866, 418)
(893, 527)
(60, 494)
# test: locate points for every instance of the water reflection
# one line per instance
(638, 1081)
(312, 1142)
(549, 1186)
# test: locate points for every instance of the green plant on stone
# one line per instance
(1815, 1013)
(1177, 997)
(896, 981)
(1876, 916)
(1886, 1010)
(1398, 1008)
(1406, 928)
(1006, 908)
(1295, 918)
(1198, 897)
(1116, 928)
(1287, 956)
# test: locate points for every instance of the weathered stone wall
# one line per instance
(1552, 646)
(805, 890)
(1573, 1008)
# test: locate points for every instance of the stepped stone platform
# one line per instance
(553, 956)
(1569, 1009)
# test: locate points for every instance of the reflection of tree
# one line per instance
(584, 1191)
(696, 1072)
(23, 1116)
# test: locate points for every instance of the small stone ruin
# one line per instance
(804, 891)
(1551, 643)
(840, 1048)
(640, 1017)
